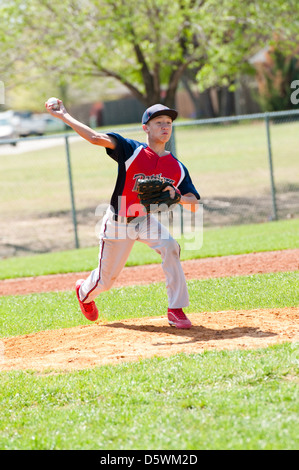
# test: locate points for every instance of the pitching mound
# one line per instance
(130, 340)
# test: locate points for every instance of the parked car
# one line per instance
(37, 124)
(28, 124)
(51, 124)
(14, 124)
(7, 129)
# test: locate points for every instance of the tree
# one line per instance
(147, 46)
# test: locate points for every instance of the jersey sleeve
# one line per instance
(186, 185)
(124, 148)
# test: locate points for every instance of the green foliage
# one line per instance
(146, 46)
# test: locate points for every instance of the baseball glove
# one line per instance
(154, 197)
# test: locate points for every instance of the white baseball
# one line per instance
(53, 102)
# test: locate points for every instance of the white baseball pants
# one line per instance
(116, 242)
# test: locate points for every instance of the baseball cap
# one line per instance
(158, 110)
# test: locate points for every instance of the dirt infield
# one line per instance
(130, 340)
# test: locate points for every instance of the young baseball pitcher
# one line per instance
(129, 217)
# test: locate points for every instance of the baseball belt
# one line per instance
(127, 220)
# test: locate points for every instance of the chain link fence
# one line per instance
(247, 166)
(54, 189)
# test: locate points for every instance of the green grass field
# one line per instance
(210, 401)
(36, 312)
(234, 240)
(232, 159)
(214, 400)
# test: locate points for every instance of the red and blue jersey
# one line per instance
(137, 160)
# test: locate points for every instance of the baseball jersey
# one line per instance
(137, 160)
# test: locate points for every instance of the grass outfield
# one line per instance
(222, 160)
(212, 401)
(233, 240)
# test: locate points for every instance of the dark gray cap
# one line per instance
(158, 110)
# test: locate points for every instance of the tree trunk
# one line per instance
(195, 97)
(206, 105)
(227, 102)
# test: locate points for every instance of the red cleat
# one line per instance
(89, 309)
(177, 318)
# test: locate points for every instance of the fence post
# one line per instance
(171, 147)
(171, 144)
(68, 157)
(273, 190)
(182, 218)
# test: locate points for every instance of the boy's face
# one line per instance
(159, 128)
